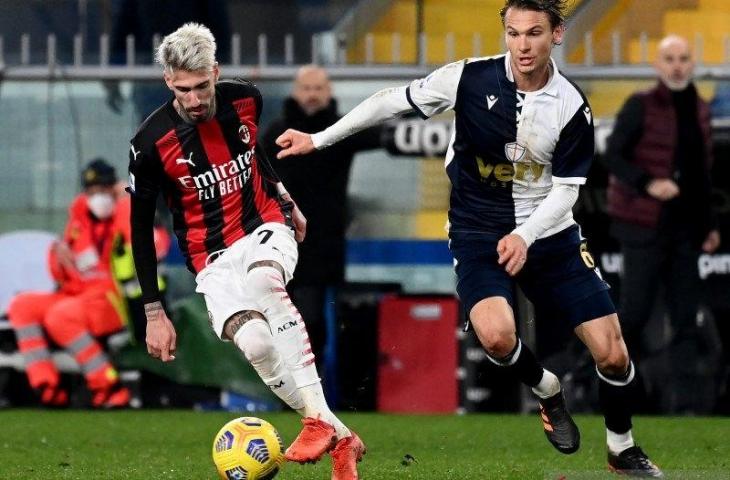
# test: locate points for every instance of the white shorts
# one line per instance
(223, 281)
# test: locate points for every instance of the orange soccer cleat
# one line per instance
(346, 454)
(315, 439)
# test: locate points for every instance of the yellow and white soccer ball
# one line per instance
(248, 448)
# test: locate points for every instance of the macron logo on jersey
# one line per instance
(587, 113)
(491, 100)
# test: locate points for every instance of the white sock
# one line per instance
(287, 326)
(618, 442)
(291, 339)
(315, 406)
(255, 341)
(549, 385)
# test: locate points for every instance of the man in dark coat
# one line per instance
(318, 182)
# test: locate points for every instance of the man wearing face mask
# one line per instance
(659, 156)
(86, 304)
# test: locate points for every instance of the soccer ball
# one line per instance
(248, 448)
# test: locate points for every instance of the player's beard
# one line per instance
(190, 119)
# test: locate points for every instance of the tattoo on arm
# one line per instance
(237, 320)
(151, 309)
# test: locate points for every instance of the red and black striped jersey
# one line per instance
(215, 178)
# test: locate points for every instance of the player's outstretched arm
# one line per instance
(382, 106)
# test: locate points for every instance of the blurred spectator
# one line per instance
(87, 304)
(318, 182)
(144, 19)
(659, 156)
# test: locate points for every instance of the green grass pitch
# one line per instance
(174, 444)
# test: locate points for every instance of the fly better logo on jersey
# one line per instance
(221, 179)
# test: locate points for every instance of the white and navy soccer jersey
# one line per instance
(508, 147)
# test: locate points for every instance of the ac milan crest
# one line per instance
(244, 134)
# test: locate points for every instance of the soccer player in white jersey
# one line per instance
(522, 146)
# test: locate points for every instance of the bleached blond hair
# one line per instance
(190, 48)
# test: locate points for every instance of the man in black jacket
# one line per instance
(319, 183)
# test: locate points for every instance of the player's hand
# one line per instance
(662, 189)
(161, 337)
(294, 142)
(711, 242)
(512, 250)
(300, 224)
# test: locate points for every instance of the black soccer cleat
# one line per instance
(633, 462)
(560, 429)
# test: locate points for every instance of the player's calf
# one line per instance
(251, 334)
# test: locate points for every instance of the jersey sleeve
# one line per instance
(437, 92)
(239, 88)
(573, 153)
(144, 173)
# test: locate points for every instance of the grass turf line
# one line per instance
(176, 444)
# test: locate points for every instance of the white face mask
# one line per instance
(101, 205)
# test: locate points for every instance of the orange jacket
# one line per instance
(91, 242)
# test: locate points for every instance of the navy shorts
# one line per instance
(560, 277)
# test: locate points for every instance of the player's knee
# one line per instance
(265, 279)
(259, 351)
(613, 360)
(498, 344)
(255, 341)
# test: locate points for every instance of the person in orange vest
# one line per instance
(87, 304)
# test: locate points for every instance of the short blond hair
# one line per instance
(190, 48)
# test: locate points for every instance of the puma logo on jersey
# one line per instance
(491, 100)
(134, 152)
(189, 160)
(587, 113)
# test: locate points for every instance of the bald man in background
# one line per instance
(659, 156)
(318, 182)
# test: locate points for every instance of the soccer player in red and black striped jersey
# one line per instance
(237, 227)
